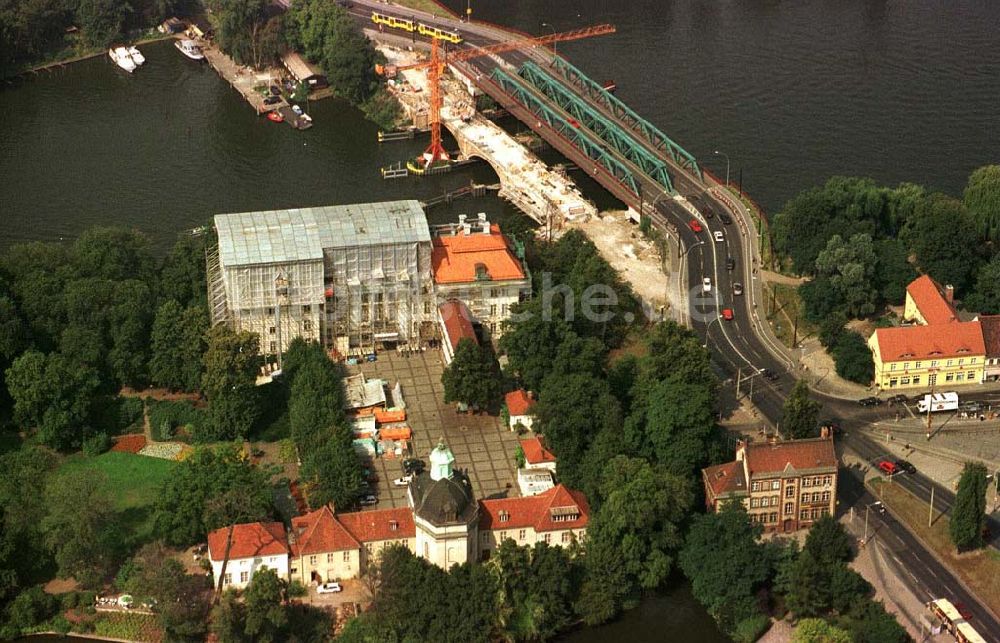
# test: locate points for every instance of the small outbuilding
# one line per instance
(304, 71)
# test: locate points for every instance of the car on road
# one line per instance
(725, 218)
(869, 401)
(737, 289)
(694, 225)
(730, 263)
(404, 481)
(963, 611)
(727, 314)
(905, 466)
(368, 500)
(706, 284)
(769, 375)
(887, 466)
(329, 588)
(413, 465)
(898, 398)
(718, 236)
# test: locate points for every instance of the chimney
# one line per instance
(949, 294)
(484, 225)
(461, 223)
(824, 432)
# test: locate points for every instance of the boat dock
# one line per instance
(298, 121)
(241, 78)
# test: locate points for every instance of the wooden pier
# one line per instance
(240, 78)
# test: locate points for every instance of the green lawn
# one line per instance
(429, 6)
(133, 482)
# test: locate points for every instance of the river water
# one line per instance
(793, 92)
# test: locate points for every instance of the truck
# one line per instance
(936, 402)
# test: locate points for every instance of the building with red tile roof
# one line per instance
(991, 343)
(928, 303)
(474, 262)
(536, 456)
(785, 486)
(456, 324)
(379, 526)
(558, 516)
(254, 546)
(321, 548)
(519, 405)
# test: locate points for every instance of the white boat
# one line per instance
(122, 58)
(137, 57)
(189, 49)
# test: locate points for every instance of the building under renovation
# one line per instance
(347, 276)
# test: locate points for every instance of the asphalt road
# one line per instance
(737, 346)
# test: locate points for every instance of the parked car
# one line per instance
(888, 467)
(706, 284)
(730, 263)
(368, 500)
(906, 466)
(404, 481)
(329, 588)
(694, 225)
(725, 218)
(898, 398)
(718, 236)
(869, 401)
(727, 314)
(413, 465)
(737, 288)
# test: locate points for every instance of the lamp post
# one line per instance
(468, 11)
(727, 165)
(555, 45)
(708, 327)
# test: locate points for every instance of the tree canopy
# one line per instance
(472, 377)
(229, 381)
(968, 515)
(800, 413)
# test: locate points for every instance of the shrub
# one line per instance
(96, 444)
(166, 417)
(852, 358)
(750, 629)
(32, 607)
(286, 451)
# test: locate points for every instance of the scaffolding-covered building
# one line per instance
(347, 276)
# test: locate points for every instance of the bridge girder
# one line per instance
(623, 112)
(620, 140)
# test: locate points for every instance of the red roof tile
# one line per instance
(518, 402)
(535, 511)
(535, 451)
(457, 322)
(454, 257)
(767, 458)
(929, 297)
(374, 526)
(318, 532)
(250, 540)
(930, 342)
(725, 478)
(991, 334)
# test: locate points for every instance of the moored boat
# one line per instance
(190, 49)
(275, 116)
(122, 58)
(136, 55)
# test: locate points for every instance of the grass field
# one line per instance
(980, 569)
(426, 5)
(785, 309)
(133, 482)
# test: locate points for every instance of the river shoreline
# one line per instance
(56, 64)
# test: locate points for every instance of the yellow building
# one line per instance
(938, 350)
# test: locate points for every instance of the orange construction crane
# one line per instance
(435, 68)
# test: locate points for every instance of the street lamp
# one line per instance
(708, 327)
(727, 165)
(555, 45)
(689, 249)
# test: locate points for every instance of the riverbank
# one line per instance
(74, 55)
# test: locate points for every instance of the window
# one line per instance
(774, 501)
(826, 496)
(521, 534)
(933, 363)
(493, 310)
(959, 377)
(566, 536)
(754, 503)
(949, 377)
(806, 482)
(347, 556)
(548, 538)
(305, 309)
(271, 330)
(754, 486)
(805, 497)
(804, 514)
(776, 484)
(227, 579)
(973, 360)
(274, 347)
(893, 367)
(904, 381)
(916, 365)
(790, 491)
(503, 535)
(789, 507)
(244, 577)
(949, 362)
(893, 381)
(329, 558)
(504, 516)
(970, 375)
(270, 311)
(307, 325)
(827, 480)
(961, 361)
(773, 517)
(932, 379)
(916, 380)
(484, 536)
(906, 366)
(312, 560)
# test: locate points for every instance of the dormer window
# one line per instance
(564, 514)
(504, 516)
(393, 525)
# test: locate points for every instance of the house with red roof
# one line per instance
(938, 349)
(536, 455)
(254, 546)
(519, 405)
(475, 263)
(991, 342)
(455, 321)
(558, 516)
(785, 486)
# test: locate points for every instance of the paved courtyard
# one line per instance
(483, 447)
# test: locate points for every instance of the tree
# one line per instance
(153, 573)
(81, 528)
(968, 515)
(942, 234)
(532, 342)
(799, 413)
(187, 506)
(31, 608)
(853, 359)
(182, 275)
(228, 617)
(868, 622)
(676, 426)
(819, 586)
(336, 473)
(178, 346)
(828, 542)
(985, 296)
(850, 267)
(22, 508)
(265, 614)
(893, 270)
(239, 25)
(537, 586)
(726, 564)
(471, 377)
(816, 630)
(229, 381)
(101, 20)
(113, 253)
(982, 198)
(633, 536)
(53, 395)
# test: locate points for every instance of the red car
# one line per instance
(888, 467)
(694, 225)
(727, 314)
